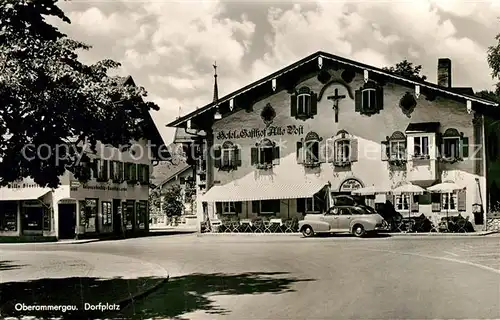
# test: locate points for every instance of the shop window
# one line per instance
(141, 214)
(227, 156)
(8, 216)
(106, 213)
(304, 104)
(88, 214)
(129, 214)
(265, 154)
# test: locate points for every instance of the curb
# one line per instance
(391, 235)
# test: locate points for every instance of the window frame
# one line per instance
(371, 94)
(445, 206)
(395, 154)
(228, 150)
(227, 206)
(337, 143)
(305, 98)
(262, 212)
(400, 204)
(313, 203)
(421, 139)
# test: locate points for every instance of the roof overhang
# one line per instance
(332, 59)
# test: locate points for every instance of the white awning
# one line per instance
(263, 190)
(13, 194)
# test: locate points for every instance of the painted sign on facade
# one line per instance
(252, 133)
(350, 185)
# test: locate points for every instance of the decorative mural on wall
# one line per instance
(407, 103)
(268, 114)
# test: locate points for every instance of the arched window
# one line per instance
(311, 148)
(265, 153)
(397, 146)
(451, 144)
(342, 148)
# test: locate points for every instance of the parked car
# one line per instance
(355, 219)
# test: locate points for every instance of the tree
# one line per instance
(172, 201)
(52, 104)
(407, 69)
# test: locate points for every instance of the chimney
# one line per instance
(444, 72)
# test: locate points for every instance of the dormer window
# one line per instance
(369, 99)
(265, 154)
(304, 104)
(227, 156)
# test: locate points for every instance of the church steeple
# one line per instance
(216, 89)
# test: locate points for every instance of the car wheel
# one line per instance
(307, 231)
(358, 230)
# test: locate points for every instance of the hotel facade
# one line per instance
(329, 123)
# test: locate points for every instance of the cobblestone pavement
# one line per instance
(276, 277)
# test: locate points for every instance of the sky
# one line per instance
(169, 47)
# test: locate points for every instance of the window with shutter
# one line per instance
(384, 150)
(449, 201)
(299, 153)
(461, 200)
(229, 207)
(254, 156)
(237, 157)
(354, 150)
(414, 204)
(451, 145)
(229, 156)
(218, 207)
(267, 154)
(369, 99)
(465, 147)
(304, 104)
(217, 157)
(311, 149)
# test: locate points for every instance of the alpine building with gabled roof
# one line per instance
(326, 123)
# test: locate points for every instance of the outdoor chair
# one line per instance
(215, 225)
(462, 225)
(437, 224)
(267, 226)
(399, 224)
(227, 226)
(287, 226)
(246, 225)
(258, 226)
(276, 225)
(234, 226)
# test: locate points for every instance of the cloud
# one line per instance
(169, 47)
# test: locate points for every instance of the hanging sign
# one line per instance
(350, 185)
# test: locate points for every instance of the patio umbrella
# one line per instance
(445, 187)
(409, 189)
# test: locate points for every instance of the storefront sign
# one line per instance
(350, 185)
(253, 133)
(103, 188)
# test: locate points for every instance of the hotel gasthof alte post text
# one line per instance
(287, 145)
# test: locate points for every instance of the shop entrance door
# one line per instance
(67, 220)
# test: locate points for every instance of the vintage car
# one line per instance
(356, 219)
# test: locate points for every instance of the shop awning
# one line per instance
(265, 190)
(13, 194)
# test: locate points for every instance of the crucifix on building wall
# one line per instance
(336, 98)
